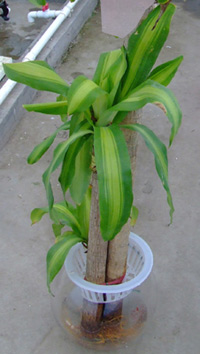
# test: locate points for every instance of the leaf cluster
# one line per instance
(93, 112)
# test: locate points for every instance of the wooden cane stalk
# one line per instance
(96, 263)
(118, 247)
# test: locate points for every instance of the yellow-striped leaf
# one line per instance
(110, 69)
(63, 214)
(153, 92)
(56, 108)
(114, 179)
(82, 93)
(164, 73)
(144, 47)
(69, 161)
(38, 75)
(82, 176)
(160, 154)
(58, 156)
(57, 254)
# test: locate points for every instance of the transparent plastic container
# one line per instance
(126, 306)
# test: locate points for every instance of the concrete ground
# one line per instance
(17, 33)
(27, 324)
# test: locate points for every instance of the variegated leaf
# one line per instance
(161, 96)
(160, 154)
(57, 254)
(164, 73)
(38, 75)
(58, 156)
(82, 93)
(82, 176)
(41, 148)
(144, 47)
(114, 179)
(56, 108)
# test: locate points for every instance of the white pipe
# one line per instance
(42, 14)
(64, 13)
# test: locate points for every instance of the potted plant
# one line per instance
(98, 158)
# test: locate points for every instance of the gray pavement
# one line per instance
(17, 34)
(27, 325)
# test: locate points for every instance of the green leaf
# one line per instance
(163, 1)
(68, 166)
(38, 2)
(114, 179)
(134, 215)
(41, 148)
(161, 96)
(160, 154)
(83, 214)
(64, 116)
(58, 157)
(164, 73)
(63, 214)
(82, 176)
(144, 47)
(110, 69)
(38, 75)
(82, 93)
(57, 228)
(57, 254)
(37, 214)
(55, 108)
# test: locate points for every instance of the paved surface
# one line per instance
(17, 33)
(27, 324)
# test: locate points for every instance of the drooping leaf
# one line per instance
(82, 93)
(114, 179)
(41, 148)
(56, 108)
(37, 214)
(58, 157)
(161, 96)
(38, 75)
(57, 254)
(61, 213)
(82, 176)
(69, 161)
(164, 73)
(57, 228)
(144, 46)
(160, 154)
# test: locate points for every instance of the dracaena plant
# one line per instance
(93, 111)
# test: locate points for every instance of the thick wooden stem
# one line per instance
(96, 263)
(118, 247)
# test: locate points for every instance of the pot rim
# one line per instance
(126, 285)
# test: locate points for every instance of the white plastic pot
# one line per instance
(139, 266)
(135, 297)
